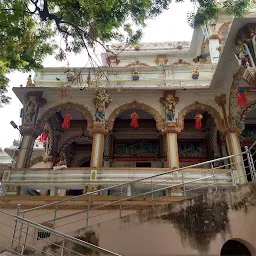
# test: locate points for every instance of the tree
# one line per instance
(29, 27)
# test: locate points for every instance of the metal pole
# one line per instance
(88, 209)
(249, 161)
(62, 249)
(25, 240)
(21, 227)
(213, 175)
(54, 217)
(34, 236)
(152, 194)
(15, 226)
(253, 167)
(183, 183)
(121, 192)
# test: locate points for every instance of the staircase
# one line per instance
(45, 228)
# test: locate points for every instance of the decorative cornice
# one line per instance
(181, 62)
(137, 64)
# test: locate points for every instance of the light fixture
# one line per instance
(15, 126)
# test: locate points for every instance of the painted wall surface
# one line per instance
(197, 226)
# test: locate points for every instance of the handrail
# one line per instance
(134, 181)
(253, 144)
(60, 234)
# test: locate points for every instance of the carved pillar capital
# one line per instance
(172, 127)
(99, 127)
(29, 129)
(221, 100)
(231, 129)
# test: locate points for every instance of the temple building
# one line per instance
(150, 108)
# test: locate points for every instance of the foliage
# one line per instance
(29, 27)
(208, 10)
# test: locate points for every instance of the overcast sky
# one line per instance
(169, 26)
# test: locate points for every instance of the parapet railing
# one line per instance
(25, 237)
(226, 171)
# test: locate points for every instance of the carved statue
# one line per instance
(239, 124)
(70, 75)
(195, 73)
(169, 102)
(242, 54)
(101, 101)
(135, 75)
(100, 113)
(30, 82)
(62, 162)
(30, 110)
(203, 56)
(170, 112)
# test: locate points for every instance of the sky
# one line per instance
(169, 26)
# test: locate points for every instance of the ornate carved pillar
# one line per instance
(169, 101)
(98, 131)
(33, 101)
(234, 147)
(171, 130)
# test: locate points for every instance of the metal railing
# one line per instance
(25, 237)
(147, 192)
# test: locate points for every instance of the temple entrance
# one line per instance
(198, 144)
(136, 146)
(247, 138)
(234, 248)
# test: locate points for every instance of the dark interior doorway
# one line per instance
(143, 164)
(74, 192)
(85, 164)
(234, 248)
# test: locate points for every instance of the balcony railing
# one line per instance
(239, 169)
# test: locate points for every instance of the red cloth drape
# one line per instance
(134, 122)
(198, 121)
(66, 122)
(44, 136)
(241, 98)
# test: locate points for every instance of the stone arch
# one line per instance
(69, 105)
(212, 111)
(246, 109)
(71, 140)
(155, 114)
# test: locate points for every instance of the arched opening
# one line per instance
(199, 144)
(136, 147)
(234, 248)
(247, 137)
